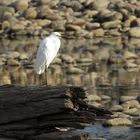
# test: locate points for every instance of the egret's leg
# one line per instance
(40, 79)
(46, 77)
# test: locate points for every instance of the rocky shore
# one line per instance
(109, 66)
(76, 18)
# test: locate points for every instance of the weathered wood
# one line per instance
(26, 112)
(72, 135)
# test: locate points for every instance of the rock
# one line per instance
(130, 104)
(98, 32)
(129, 66)
(4, 10)
(85, 60)
(43, 2)
(30, 13)
(137, 12)
(71, 27)
(43, 22)
(117, 121)
(91, 26)
(5, 25)
(121, 115)
(58, 25)
(134, 32)
(76, 5)
(78, 21)
(117, 16)
(5, 79)
(12, 54)
(1, 62)
(95, 104)
(131, 111)
(24, 55)
(127, 98)
(16, 27)
(93, 98)
(113, 32)
(116, 108)
(50, 3)
(105, 15)
(7, 2)
(57, 61)
(129, 55)
(21, 5)
(44, 11)
(128, 22)
(111, 24)
(135, 23)
(13, 62)
(73, 70)
(105, 97)
(10, 18)
(67, 58)
(100, 4)
(90, 14)
(80, 33)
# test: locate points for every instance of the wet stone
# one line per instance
(117, 121)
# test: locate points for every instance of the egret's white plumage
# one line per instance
(47, 50)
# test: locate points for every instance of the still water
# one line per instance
(102, 72)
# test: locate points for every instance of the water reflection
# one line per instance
(97, 73)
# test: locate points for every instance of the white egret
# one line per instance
(47, 51)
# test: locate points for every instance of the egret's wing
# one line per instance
(41, 58)
(46, 52)
(53, 46)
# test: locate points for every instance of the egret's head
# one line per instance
(57, 34)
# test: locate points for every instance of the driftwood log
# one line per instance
(35, 113)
